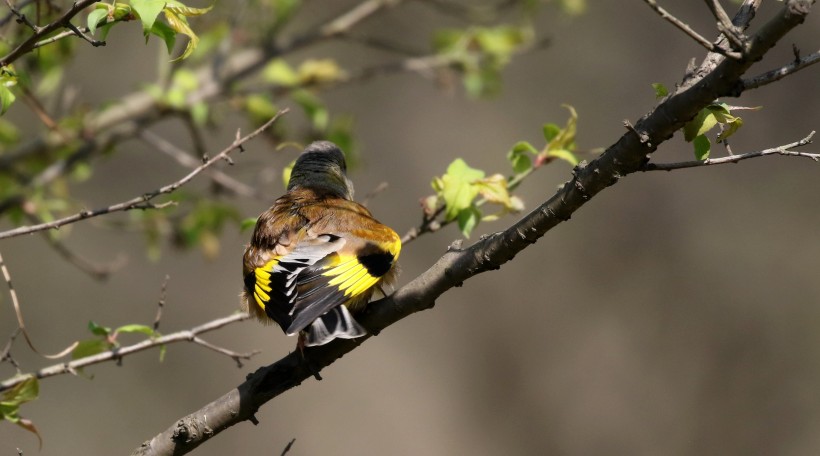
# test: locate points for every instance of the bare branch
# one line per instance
(238, 357)
(41, 32)
(161, 302)
(780, 73)
(785, 149)
(144, 201)
(187, 335)
(682, 26)
(725, 24)
(187, 160)
(18, 311)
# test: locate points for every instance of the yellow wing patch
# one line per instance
(262, 286)
(351, 277)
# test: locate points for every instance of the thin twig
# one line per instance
(5, 355)
(144, 201)
(238, 357)
(187, 160)
(18, 311)
(187, 335)
(40, 32)
(288, 447)
(82, 34)
(780, 73)
(682, 26)
(161, 302)
(779, 150)
(725, 25)
(5, 20)
(21, 18)
(95, 270)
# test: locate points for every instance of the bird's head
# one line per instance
(322, 167)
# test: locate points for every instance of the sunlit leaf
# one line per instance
(468, 219)
(278, 71)
(319, 71)
(136, 328)
(519, 156)
(457, 187)
(660, 90)
(148, 11)
(702, 147)
(165, 33)
(90, 347)
(704, 121)
(98, 330)
(565, 155)
(95, 17)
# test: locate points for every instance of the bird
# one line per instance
(316, 257)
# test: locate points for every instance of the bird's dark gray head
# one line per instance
(322, 166)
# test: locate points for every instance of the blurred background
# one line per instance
(676, 313)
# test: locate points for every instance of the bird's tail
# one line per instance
(336, 323)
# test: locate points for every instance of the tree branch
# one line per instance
(188, 335)
(682, 26)
(779, 150)
(144, 201)
(780, 73)
(40, 32)
(628, 155)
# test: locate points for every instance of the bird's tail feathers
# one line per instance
(336, 323)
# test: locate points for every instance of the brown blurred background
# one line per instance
(676, 313)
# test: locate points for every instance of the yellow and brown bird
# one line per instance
(317, 256)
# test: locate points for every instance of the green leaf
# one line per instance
(551, 130)
(574, 7)
(704, 121)
(90, 347)
(199, 113)
(340, 132)
(660, 90)
(313, 108)
(247, 224)
(165, 33)
(135, 328)
(179, 24)
(519, 158)
(185, 79)
(468, 219)
(286, 173)
(9, 134)
(183, 10)
(162, 350)
(6, 99)
(730, 129)
(148, 11)
(284, 9)
(702, 147)
(25, 391)
(565, 155)
(95, 17)
(457, 188)
(11, 400)
(260, 108)
(98, 330)
(494, 190)
(280, 72)
(319, 71)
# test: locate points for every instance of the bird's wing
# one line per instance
(343, 276)
(274, 284)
